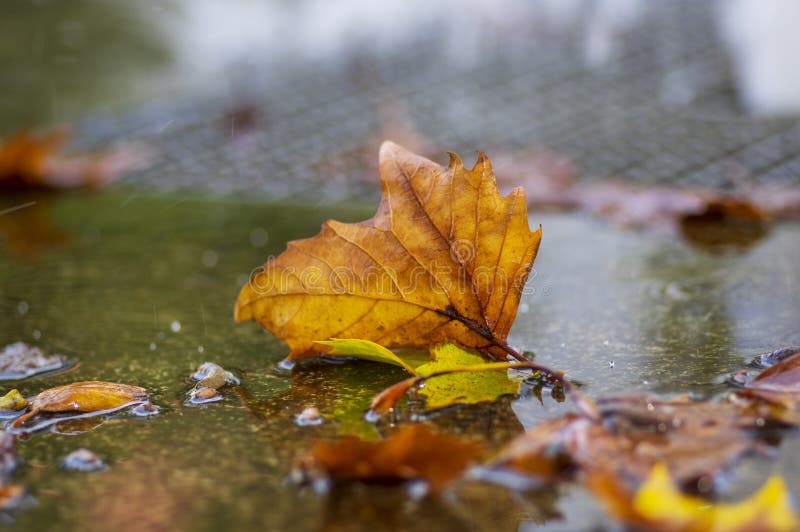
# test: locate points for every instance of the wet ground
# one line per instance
(140, 290)
(254, 147)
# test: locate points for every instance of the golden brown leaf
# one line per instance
(445, 258)
(414, 452)
(87, 396)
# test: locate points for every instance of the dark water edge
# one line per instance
(105, 277)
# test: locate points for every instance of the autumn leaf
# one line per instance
(445, 258)
(13, 400)
(29, 160)
(461, 388)
(94, 397)
(659, 505)
(414, 452)
(364, 350)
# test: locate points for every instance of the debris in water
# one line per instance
(309, 417)
(19, 360)
(83, 460)
(210, 378)
(13, 400)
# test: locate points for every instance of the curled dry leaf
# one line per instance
(28, 160)
(445, 258)
(660, 506)
(414, 452)
(95, 397)
(19, 360)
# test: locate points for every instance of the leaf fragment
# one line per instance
(364, 350)
(13, 400)
(445, 258)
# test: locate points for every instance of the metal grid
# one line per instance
(662, 111)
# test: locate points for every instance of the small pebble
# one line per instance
(310, 416)
(83, 460)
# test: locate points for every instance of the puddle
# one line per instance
(619, 311)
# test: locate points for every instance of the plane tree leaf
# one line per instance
(445, 258)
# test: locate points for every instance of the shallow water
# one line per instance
(141, 289)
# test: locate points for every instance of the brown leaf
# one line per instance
(693, 439)
(779, 385)
(28, 160)
(445, 258)
(87, 396)
(414, 452)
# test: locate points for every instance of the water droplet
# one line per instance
(83, 460)
(650, 407)
(175, 326)
(372, 416)
(37, 334)
(284, 367)
(200, 349)
(417, 490)
(524, 308)
(760, 422)
(259, 237)
(152, 346)
(309, 417)
(210, 258)
(611, 364)
(22, 307)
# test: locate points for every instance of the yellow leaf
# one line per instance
(445, 258)
(365, 350)
(659, 503)
(462, 387)
(13, 400)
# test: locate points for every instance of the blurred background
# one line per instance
(291, 98)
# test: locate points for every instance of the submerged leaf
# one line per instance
(19, 360)
(445, 258)
(660, 505)
(365, 350)
(87, 397)
(464, 388)
(414, 452)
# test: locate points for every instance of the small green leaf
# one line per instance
(365, 350)
(464, 386)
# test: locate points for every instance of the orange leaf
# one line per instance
(414, 452)
(445, 258)
(87, 396)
